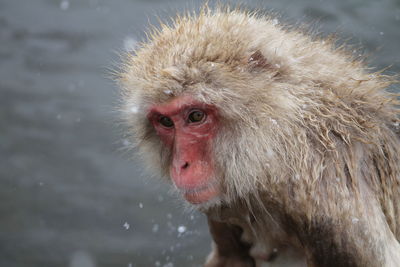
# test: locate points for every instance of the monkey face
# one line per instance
(187, 127)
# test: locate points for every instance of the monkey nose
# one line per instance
(185, 165)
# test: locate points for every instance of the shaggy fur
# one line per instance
(309, 144)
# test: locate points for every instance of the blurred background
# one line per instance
(69, 195)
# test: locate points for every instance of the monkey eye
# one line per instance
(166, 121)
(196, 116)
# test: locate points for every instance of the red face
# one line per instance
(187, 127)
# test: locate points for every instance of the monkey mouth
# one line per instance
(201, 194)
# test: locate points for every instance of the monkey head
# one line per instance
(227, 104)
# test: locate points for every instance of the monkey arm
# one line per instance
(356, 238)
(228, 249)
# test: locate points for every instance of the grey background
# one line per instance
(69, 195)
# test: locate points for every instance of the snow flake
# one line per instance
(126, 142)
(168, 92)
(126, 226)
(155, 228)
(181, 229)
(130, 44)
(134, 109)
(64, 4)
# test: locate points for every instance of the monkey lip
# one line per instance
(201, 194)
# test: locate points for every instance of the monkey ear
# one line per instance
(258, 61)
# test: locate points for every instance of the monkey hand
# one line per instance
(228, 249)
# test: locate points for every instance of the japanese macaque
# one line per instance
(287, 143)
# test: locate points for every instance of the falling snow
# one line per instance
(81, 258)
(126, 142)
(130, 44)
(181, 229)
(126, 226)
(155, 228)
(64, 5)
(134, 109)
(274, 122)
(168, 92)
(141, 205)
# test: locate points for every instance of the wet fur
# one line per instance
(309, 143)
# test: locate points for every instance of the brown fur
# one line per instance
(309, 148)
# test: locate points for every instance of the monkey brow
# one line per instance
(176, 109)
